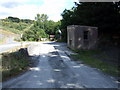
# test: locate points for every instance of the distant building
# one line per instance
(82, 37)
(52, 37)
(43, 39)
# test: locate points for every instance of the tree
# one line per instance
(41, 20)
(42, 28)
(13, 19)
(28, 21)
(103, 15)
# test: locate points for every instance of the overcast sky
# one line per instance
(27, 9)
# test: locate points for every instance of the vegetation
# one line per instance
(17, 20)
(15, 25)
(13, 63)
(4, 35)
(87, 57)
(31, 30)
(103, 15)
(41, 28)
(12, 24)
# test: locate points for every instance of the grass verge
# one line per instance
(4, 35)
(86, 56)
(13, 63)
(13, 30)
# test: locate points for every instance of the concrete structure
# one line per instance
(52, 37)
(82, 37)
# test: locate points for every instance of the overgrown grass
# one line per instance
(13, 63)
(4, 35)
(7, 33)
(86, 56)
(16, 28)
(10, 29)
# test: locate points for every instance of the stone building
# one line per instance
(82, 37)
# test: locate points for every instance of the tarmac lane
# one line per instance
(56, 70)
(63, 76)
(38, 76)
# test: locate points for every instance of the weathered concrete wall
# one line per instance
(76, 37)
(70, 34)
(93, 38)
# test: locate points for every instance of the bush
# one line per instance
(14, 63)
(14, 27)
(34, 34)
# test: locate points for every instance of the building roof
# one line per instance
(70, 26)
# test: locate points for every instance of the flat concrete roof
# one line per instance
(81, 26)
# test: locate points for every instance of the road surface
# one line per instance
(10, 45)
(56, 70)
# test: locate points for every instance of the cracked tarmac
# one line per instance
(56, 70)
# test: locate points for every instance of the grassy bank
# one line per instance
(13, 63)
(87, 57)
(5, 28)
(14, 27)
(7, 33)
(4, 35)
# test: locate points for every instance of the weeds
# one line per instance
(87, 57)
(13, 63)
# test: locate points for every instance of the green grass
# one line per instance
(13, 64)
(5, 35)
(16, 28)
(86, 56)
(10, 29)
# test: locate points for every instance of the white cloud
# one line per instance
(53, 8)
(23, 11)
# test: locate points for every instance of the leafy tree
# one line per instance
(41, 20)
(42, 28)
(13, 19)
(28, 21)
(37, 31)
(103, 15)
